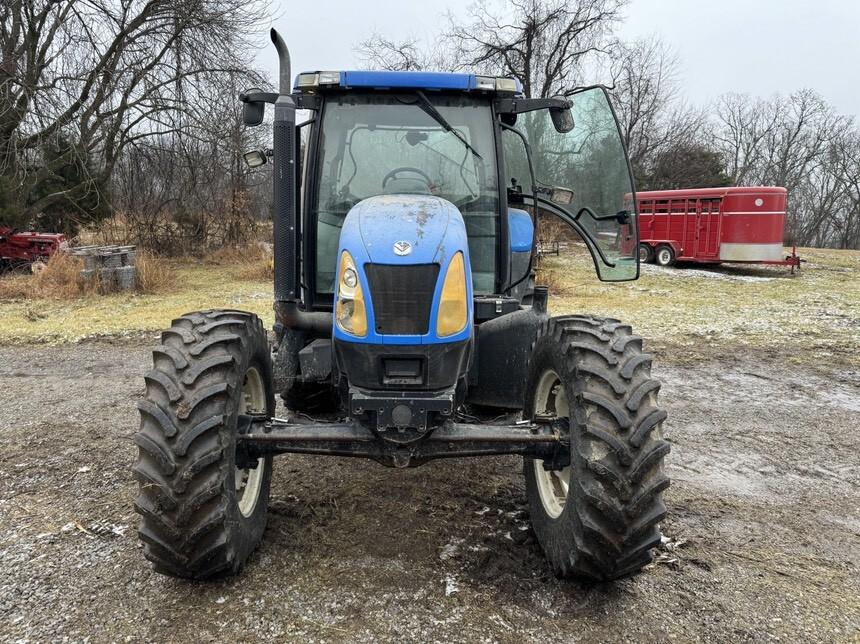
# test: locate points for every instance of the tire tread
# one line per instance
(611, 519)
(183, 465)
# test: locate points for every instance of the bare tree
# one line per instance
(379, 52)
(789, 142)
(106, 75)
(846, 163)
(652, 116)
(543, 43)
(183, 193)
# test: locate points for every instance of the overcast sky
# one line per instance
(755, 46)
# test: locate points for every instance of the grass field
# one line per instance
(195, 286)
(814, 314)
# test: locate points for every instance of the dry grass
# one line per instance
(154, 275)
(553, 278)
(197, 286)
(551, 229)
(59, 280)
(251, 262)
(813, 315)
(113, 231)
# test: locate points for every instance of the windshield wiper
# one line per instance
(425, 104)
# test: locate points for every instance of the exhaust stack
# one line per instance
(283, 63)
(286, 252)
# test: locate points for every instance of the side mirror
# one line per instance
(255, 158)
(561, 196)
(562, 119)
(253, 111)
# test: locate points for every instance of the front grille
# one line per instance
(402, 297)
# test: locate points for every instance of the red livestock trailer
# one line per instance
(714, 225)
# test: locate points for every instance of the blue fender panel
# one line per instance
(436, 231)
(522, 230)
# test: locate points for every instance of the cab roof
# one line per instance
(382, 80)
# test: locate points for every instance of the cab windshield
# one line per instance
(373, 144)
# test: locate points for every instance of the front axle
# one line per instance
(543, 439)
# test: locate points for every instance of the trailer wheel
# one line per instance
(201, 515)
(597, 518)
(646, 253)
(664, 255)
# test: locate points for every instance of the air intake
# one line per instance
(402, 297)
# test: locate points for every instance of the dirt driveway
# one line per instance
(763, 531)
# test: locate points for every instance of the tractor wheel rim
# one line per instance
(249, 481)
(553, 485)
(664, 256)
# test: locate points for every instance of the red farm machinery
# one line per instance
(27, 248)
(714, 226)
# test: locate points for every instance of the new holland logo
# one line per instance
(402, 248)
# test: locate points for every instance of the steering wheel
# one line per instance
(393, 175)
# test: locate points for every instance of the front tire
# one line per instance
(201, 516)
(597, 518)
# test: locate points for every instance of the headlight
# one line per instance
(453, 312)
(350, 314)
(350, 279)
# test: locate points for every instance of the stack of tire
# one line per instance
(113, 267)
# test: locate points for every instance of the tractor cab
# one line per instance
(476, 143)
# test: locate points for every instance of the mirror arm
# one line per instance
(258, 97)
(303, 101)
(522, 105)
(584, 88)
(622, 216)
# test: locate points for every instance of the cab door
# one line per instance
(583, 177)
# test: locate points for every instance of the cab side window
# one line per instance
(516, 162)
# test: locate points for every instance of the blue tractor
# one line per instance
(409, 324)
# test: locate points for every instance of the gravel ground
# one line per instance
(762, 542)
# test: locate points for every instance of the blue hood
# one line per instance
(422, 220)
(435, 232)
